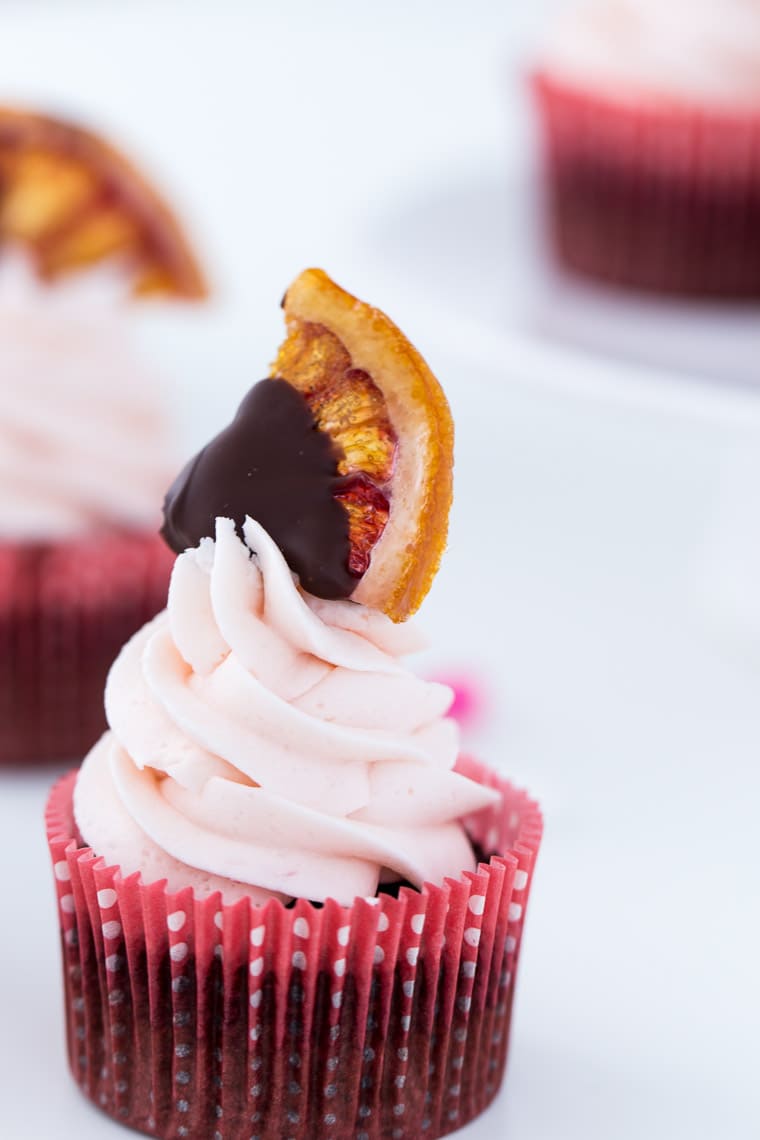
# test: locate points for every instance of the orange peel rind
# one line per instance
(373, 393)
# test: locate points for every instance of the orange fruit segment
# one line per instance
(72, 201)
(372, 393)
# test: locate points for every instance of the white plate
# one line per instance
(474, 246)
(570, 581)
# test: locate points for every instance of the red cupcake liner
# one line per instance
(65, 611)
(388, 1018)
(663, 198)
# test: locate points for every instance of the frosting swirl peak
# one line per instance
(267, 742)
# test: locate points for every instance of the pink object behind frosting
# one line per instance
(470, 706)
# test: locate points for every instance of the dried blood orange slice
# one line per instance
(372, 393)
(72, 200)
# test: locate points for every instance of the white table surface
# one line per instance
(602, 534)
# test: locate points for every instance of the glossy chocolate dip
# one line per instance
(273, 464)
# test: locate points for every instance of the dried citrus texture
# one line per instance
(73, 201)
(370, 390)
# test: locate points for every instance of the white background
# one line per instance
(601, 566)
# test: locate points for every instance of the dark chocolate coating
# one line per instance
(274, 464)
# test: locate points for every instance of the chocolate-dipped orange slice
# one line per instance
(344, 455)
(72, 201)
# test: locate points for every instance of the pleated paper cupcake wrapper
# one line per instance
(65, 612)
(389, 1018)
(660, 198)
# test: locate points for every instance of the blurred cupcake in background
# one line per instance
(651, 121)
(85, 445)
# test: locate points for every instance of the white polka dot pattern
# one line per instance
(476, 903)
(258, 934)
(395, 1005)
(301, 928)
(472, 936)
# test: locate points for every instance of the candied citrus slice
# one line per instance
(370, 390)
(73, 201)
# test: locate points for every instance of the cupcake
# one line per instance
(84, 442)
(651, 123)
(288, 907)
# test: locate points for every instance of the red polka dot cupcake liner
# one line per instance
(663, 198)
(388, 1018)
(66, 609)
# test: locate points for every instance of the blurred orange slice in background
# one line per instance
(73, 201)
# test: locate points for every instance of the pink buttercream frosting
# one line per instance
(265, 742)
(699, 51)
(84, 439)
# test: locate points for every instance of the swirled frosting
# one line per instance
(693, 50)
(84, 441)
(263, 741)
